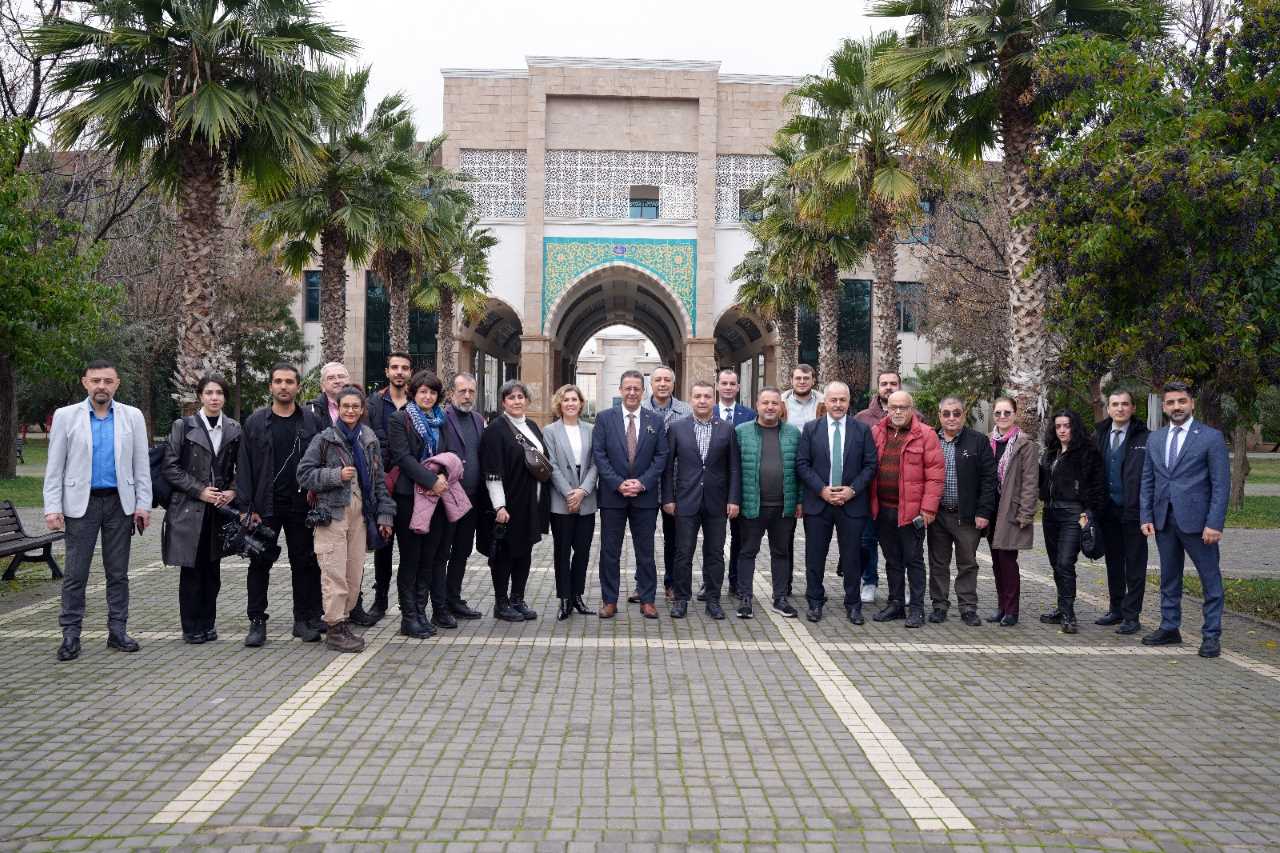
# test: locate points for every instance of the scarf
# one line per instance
(1011, 436)
(368, 501)
(427, 425)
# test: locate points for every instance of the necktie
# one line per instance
(837, 457)
(728, 415)
(633, 439)
(1173, 447)
(1115, 438)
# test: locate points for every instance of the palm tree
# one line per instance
(964, 76)
(812, 232)
(851, 129)
(367, 175)
(196, 92)
(774, 299)
(455, 273)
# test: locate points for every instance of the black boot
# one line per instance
(1069, 624)
(257, 633)
(379, 609)
(581, 606)
(503, 610)
(358, 615)
(566, 609)
(410, 625)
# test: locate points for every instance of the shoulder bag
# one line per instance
(538, 465)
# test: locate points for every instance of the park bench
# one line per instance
(17, 543)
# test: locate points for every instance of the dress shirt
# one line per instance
(1177, 441)
(726, 412)
(574, 434)
(702, 432)
(951, 483)
(333, 409)
(104, 448)
(214, 429)
(1122, 430)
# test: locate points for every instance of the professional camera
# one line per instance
(244, 538)
(318, 517)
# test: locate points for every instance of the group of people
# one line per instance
(404, 469)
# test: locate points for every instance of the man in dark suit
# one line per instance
(702, 488)
(629, 444)
(461, 435)
(728, 409)
(1185, 483)
(835, 498)
(1122, 441)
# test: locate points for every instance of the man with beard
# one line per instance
(801, 401)
(662, 400)
(461, 435)
(886, 383)
(382, 405)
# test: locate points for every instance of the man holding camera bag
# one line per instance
(272, 444)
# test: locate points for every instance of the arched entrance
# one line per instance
(749, 345)
(489, 346)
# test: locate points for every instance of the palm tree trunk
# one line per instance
(333, 294)
(399, 269)
(1027, 287)
(445, 366)
(788, 344)
(828, 322)
(884, 260)
(199, 234)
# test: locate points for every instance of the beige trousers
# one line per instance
(340, 550)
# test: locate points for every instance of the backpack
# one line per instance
(161, 489)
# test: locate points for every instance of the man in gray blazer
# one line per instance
(98, 480)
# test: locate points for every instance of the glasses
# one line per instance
(948, 413)
(1004, 414)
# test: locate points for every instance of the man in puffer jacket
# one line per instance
(904, 500)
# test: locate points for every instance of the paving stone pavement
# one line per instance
(633, 734)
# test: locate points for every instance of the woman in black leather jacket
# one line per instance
(1072, 483)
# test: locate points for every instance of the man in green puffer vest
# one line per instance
(770, 499)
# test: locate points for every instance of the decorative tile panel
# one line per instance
(736, 172)
(672, 262)
(597, 184)
(498, 181)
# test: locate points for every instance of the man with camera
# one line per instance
(273, 442)
(910, 476)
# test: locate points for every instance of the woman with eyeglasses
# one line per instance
(1072, 485)
(1017, 489)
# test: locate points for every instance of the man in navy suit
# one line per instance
(629, 445)
(702, 488)
(836, 462)
(729, 410)
(1185, 483)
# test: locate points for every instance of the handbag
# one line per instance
(538, 465)
(1091, 544)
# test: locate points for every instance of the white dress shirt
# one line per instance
(498, 495)
(215, 432)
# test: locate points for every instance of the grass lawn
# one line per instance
(1264, 471)
(1260, 511)
(36, 452)
(1257, 597)
(23, 491)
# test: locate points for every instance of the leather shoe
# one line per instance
(462, 611)
(633, 599)
(891, 612)
(358, 616)
(565, 611)
(257, 633)
(1009, 620)
(815, 613)
(504, 611)
(70, 648)
(1053, 617)
(608, 611)
(855, 615)
(377, 612)
(122, 641)
(211, 635)
(305, 632)
(581, 606)
(995, 617)
(915, 617)
(1162, 637)
(193, 639)
(938, 615)
(1109, 618)
(1210, 647)
(648, 611)
(971, 618)
(518, 605)
(714, 610)
(679, 609)
(443, 619)
(411, 627)
(1129, 627)
(1069, 625)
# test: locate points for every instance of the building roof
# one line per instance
(633, 64)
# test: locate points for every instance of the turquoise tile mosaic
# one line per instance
(567, 259)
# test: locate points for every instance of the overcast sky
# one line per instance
(408, 41)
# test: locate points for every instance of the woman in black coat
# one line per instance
(414, 437)
(1072, 483)
(522, 505)
(200, 464)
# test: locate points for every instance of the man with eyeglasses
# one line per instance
(968, 504)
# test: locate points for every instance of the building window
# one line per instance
(747, 201)
(910, 305)
(311, 281)
(644, 202)
(922, 231)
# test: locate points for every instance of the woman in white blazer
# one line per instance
(573, 498)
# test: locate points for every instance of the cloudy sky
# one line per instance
(408, 41)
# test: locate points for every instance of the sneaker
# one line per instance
(783, 606)
(744, 609)
(868, 593)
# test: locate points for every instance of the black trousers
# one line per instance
(509, 568)
(903, 549)
(713, 526)
(782, 533)
(421, 574)
(571, 537)
(462, 542)
(817, 533)
(1126, 553)
(668, 550)
(198, 585)
(735, 551)
(303, 568)
(1062, 543)
(382, 572)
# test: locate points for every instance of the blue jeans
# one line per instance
(870, 556)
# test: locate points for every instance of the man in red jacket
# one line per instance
(904, 500)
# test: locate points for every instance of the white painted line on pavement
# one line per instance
(924, 801)
(56, 601)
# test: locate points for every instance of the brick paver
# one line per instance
(635, 734)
